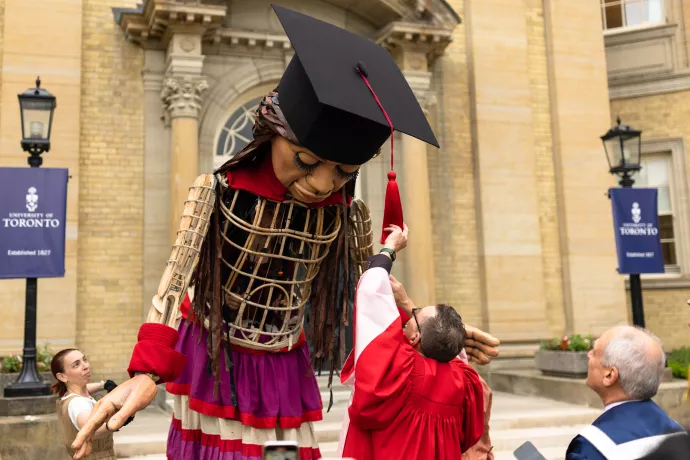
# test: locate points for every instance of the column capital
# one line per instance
(182, 96)
(420, 83)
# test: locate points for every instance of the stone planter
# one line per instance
(7, 378)
(568, 364)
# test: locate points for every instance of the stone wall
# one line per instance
(111, 192)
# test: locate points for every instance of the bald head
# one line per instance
(639, 357)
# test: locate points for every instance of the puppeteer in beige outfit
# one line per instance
(102, 448)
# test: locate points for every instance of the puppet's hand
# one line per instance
(114, 409)
(481, 346)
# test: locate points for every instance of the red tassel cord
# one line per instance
(392, 211)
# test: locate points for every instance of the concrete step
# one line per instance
(323, 382)
(329, 449)
(339, 396)
(542, 438)
(543, 418)
(146, 435)
(551, 453)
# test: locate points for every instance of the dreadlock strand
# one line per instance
(217, 329)
(346, 280)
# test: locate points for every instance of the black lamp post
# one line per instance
(622, 145)
(36, 107)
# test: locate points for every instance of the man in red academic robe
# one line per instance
(413, 397)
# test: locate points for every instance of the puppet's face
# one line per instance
(307, 177)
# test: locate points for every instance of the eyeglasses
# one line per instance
(414, 315)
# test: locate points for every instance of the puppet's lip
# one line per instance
(306, 196)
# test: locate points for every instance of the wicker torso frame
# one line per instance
(271, 253)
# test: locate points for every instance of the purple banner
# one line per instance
(33, 211)
(636, 227)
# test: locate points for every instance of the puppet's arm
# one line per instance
(361, 237)
(154, 354)
(185, 254)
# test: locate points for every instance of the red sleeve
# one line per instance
(155, 353)
(473, 408)
(382, 359)
(382, 373)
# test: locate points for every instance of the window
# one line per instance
(236, 133)
(656, 172)
(631, 13)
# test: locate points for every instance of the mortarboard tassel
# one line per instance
(392, 210)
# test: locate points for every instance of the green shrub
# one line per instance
(679, 361)
(43, 358)
(574, 343)
(13, 363)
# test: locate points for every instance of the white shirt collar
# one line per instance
(69, 395)
(618, 403)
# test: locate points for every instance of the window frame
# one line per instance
(674, 147)
(667, 157)
(626, 27)
(218, 158)
(235, 103)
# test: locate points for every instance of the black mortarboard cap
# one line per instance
(326, 101)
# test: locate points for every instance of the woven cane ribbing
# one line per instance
(185, 253)
(361, 236)
(271, 253)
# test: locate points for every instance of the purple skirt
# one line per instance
(273, 389)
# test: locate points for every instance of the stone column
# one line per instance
(156, 177)
(419, 267)
(183, 89)
(413, 177)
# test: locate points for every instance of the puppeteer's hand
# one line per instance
(114, 409)
(397, 240)
(402, 300)
(481, 346)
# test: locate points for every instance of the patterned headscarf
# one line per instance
(269, 122)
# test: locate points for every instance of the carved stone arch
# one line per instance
(227, 92)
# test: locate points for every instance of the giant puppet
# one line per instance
(270, 246)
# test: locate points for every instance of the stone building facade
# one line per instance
(509, 219)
